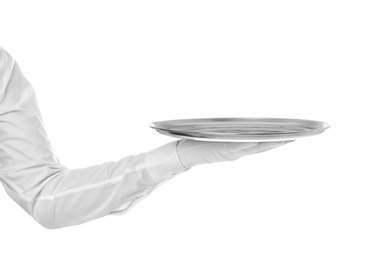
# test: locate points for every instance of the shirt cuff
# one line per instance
(163, 162)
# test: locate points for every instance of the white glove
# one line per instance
(192, 153)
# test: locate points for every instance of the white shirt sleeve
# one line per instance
(52, 194)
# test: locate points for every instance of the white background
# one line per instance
(103, 70)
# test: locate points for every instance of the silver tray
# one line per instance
(242, 129)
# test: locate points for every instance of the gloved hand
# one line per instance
(192, 153)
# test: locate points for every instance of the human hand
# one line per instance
(192, 153)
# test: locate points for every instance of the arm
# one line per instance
(52, 194)
(56, 196)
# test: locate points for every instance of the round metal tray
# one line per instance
(240, 129)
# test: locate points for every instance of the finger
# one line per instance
(262, 147)
(273, 147)
(261, 151)
(275, 144)
(235, 147)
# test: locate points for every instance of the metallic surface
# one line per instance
(245, 129)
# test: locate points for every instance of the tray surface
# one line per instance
(240, 129)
